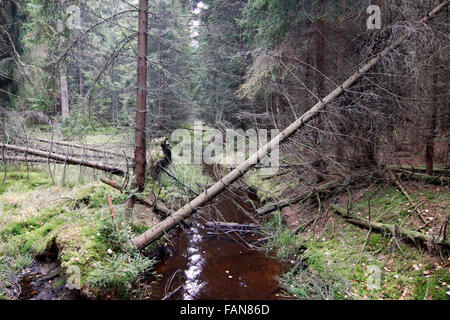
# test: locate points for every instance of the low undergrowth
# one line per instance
(337, 260)
(36, 215)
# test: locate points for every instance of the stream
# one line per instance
(200, 263)
(207, 265)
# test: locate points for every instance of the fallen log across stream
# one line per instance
(156, 232)
(391, 229)
(231, 226)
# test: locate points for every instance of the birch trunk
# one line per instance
(64, 90)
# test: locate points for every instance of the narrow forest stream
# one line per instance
(201, 263)
(206, 265)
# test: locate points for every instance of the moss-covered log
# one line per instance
(390, 229)
(424, 178)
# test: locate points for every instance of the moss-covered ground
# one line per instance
(337, 260)
(35, 214)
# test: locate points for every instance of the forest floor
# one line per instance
(64, 211)
(343, 261)
(41, 213)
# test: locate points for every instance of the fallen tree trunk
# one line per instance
(84, 147)
(65, 159)
(424, 178)
(60, 150)
(440, 171)
(304, 196)
(23, 159)
(388, 228)
(156, 232)
(231, 226)
(39, 160)
(157, 205)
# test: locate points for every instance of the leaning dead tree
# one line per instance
(156, 232)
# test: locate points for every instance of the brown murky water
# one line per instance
(218, 265)
(44, 280)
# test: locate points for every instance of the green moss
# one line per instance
(376, 239)
(342, 256)
(431, 287)
(79, 225)
(267, 189)
(22, 180)
(190, 175)
(59, 283)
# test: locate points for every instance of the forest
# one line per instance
(224, 150)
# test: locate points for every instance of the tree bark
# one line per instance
(429, 149)
(24, 159)
(84, 147)
(157, 205)
(388, 228)
(156, 232)
(320, 51)
(64, 90)
(65, 159)
(343, 66)
(140, 158)
(141, 103)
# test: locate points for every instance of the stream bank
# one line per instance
(338, 260)
(219, 265)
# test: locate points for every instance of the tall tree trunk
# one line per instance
(343, 66)
(429, 145)
(320, 51)
(321, 119)
(80, 69)
(64, 89)
(141, 102)
(242, 123)
(160, 99)
(277, 108)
